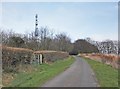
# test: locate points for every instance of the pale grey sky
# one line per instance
(98, 20)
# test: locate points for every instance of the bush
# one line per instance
(11, 57)
(51, 56)
(73, 52)
(110, 59)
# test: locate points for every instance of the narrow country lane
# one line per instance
(79, 74)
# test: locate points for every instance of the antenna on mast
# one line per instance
(36, 25)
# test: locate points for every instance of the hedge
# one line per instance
(51, 56)
(110, 59)
(11, 57)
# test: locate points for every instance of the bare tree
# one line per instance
(45, 37)
(46, 40)
(63, 42)
(108, 47)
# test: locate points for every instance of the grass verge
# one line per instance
(106, 75)
(43, 73)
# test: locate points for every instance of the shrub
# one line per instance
(110, 59)
(73, 52)
(51, 56)
(11, 57)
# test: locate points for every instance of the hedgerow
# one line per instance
(12, 57)
(110, 59)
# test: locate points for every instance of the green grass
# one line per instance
(44, 73)
(106, 75)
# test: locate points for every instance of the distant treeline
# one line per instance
(48, 40)
(82, 46)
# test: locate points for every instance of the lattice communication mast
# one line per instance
(36, 25)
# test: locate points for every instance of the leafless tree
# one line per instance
(107, 46)
(63, 42)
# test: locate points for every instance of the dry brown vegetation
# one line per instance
(51, 56)
(13, 57)
(110, 59)
(7, 78)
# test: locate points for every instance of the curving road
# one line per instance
(79, 74)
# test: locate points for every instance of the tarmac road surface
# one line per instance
(79, 74)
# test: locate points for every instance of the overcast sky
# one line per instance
(97, 20)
